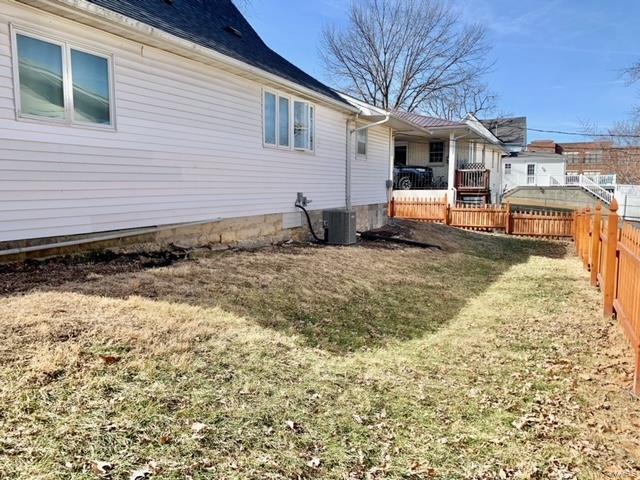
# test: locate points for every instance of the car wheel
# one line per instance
(404, 183)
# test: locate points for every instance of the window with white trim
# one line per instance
(303, 125)
(507, 169)
(362, 140)
(278, 127)
(59, 82)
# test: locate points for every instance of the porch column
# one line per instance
(452, 169)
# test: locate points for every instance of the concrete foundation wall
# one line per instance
(245, 231)
(569, 198)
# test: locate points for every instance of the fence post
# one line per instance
(392, 208)
(595, 245)
(610, 259)
(445, 210)
(447, 213)
(507, 221)
(585, 238)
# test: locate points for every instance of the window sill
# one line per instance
(64, 123)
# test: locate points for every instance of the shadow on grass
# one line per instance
(338, 299)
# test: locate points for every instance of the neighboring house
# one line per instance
(141, 114)
(512, 132)
(542, 177)
(464, 157)
(533, 169)
(595, 158)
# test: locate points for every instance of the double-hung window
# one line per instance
(284, 118)
(363, 137)
(436, 152)
(303, 126)
(58, 82)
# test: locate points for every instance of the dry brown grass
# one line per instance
(487, 360)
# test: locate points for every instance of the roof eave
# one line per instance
(476, 126)
(105, 19)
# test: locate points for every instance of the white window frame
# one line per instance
(507, 168)
(278, 95)
(292, 99)
(265, 144)
(67, 78)
(311, 122)
(365, 131)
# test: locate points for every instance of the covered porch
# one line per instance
(444, 161)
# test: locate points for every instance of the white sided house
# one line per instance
(462, 160)
(534, 169)
(132, 117)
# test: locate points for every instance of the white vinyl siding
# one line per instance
(369, 176)
(188, 147)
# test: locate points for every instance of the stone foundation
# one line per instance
(243, 231)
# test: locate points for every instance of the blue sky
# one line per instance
(556, 61)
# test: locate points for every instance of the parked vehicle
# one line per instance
(412, 178)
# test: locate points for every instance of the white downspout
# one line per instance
(452, 169)
(348, 165)
(347, 177)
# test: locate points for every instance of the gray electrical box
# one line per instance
(340, 225)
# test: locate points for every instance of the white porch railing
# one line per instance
(591, 183)
(592, 187)
(601, 180)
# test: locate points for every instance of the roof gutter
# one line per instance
(79, 10)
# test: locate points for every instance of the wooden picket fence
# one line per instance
(484, 217)
(612, 255)
(428, 210)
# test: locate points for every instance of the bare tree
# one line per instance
(455, 103)
(633, 72)
(414, 55)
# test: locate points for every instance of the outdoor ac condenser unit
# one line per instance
(340, 226)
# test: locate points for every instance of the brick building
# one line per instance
(598, 157)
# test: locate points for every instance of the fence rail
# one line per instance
(484, 217)
(612, 255)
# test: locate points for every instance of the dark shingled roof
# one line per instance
(219, 25)
(510, 131)
(425, 121)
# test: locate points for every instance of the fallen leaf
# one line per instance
(314, 462)
(198, 429)
(296, 427)
(423, 470)
(101, 468)
(141, 474)
(110, 359)
(165, 438)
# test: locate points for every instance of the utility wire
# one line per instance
(559, 132)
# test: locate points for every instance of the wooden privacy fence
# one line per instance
(484, 217)
(612, 255)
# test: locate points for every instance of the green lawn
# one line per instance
(489, 359)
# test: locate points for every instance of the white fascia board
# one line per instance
(121, 25)
(477, 127)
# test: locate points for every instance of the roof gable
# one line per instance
(510, 131)
(219, 25)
